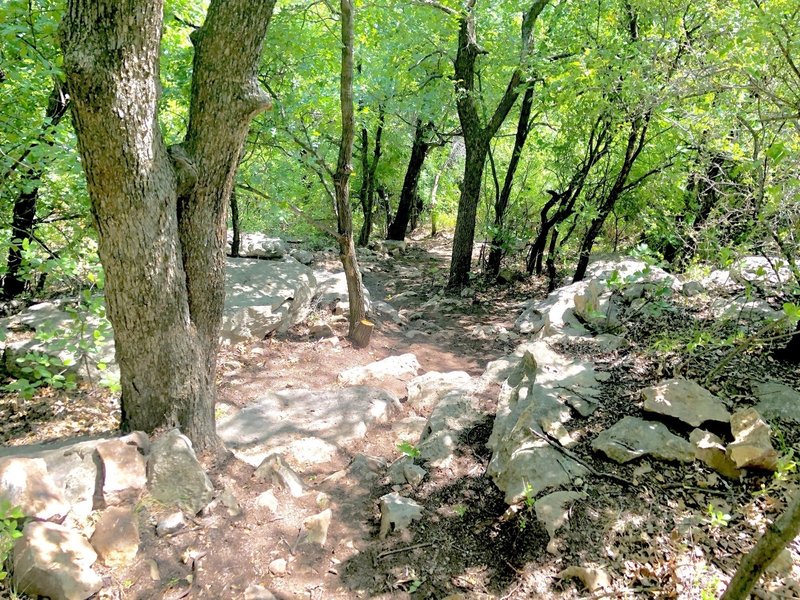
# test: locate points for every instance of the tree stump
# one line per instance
(362, 333)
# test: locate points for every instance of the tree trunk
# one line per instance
(477, 135)
(523, 129)
(777, 536)
(24, 214)
(408, 195)
(369, 168)
(160, 213)
(341, 178)
(236, 238)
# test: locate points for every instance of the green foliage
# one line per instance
(717, 518)
(10, 520)
(408, 449)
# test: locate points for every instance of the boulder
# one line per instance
(331, 291)
(54, 561)
(302, 256)
(777, 401)
(392, 367)
(632, 437)
(25, 482)
(175, 476)
(425, 391)
(257, 245)
(274, 422)
(710, 449)
(752, 443)
(686, 401)
(124, 471)
(264, 296)
(541, 390)
(454, 415)
(691, 289)
(719, 278)
(398, 511)
(553, 315)
(770, 272)
(116, 536)
(743, 309)
(171, 523)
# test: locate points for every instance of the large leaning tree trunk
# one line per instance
(477, 135)
(23, 219)
(408, 195)
(360, 329)
(160, 212)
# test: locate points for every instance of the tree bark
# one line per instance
(408, 195)
(777, 536)
(341, 178)
(160, 213)
(523, 129)
(23, 220)
(478, 135)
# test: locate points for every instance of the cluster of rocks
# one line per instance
(79, 501)
(544, 392)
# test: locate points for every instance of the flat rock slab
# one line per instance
(778, 401)
(391, 367)
(686, 401)
(398, 511)
(262, 296)
(632, 437)
(276, 420)
(752, 445)
(425, 391)
(25, 482)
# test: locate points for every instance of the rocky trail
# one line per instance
(506, 443)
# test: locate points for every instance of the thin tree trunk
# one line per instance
(523, 129)
(408, 195)
(236, 238)
(160, 213)
(23, 218)
(777, 536)
(369, 168)
(341, 182)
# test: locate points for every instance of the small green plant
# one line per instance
(408, 449)
(415, 585)
(460, 509)
(10, 518)
(717, 518)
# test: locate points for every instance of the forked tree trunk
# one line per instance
(160, 213)
(477, 135)
(408, 195)
(23, 220)
(369, 168)
(341, 183)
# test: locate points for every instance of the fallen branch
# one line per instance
(578, 459)
(404, 549)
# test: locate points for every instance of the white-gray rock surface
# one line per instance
(632, 437)
(686, 401)
(175, 476)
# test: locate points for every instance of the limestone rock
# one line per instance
(171, 523)
(175, 476)
(124, 471)
(553, 315)
(53, 561)
(393, 367)
(25, 482)
(684, 400)
(539, 393)
(692, 288)
(264, 296)
(744, 309)
(632, 437)
(425, 391)
(752, 445)
(331, 291)
(777, 401)
(304, 257)
(553, 511)
(273, 468)
(398, 511)
(772, 272)
(710, 449)
(257, 245)
(414, 474)
(258, 592)
(316, 527)
(593, 578)
(116, 536)
(452, 417)
(267, 500)
(274, 422)
(278, 567)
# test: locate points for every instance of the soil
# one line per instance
(675, 531)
